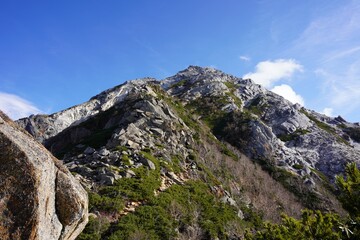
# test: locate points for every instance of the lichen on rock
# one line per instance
(39, 198)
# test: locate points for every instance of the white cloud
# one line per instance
(328, 112)
(16, 107)
(338, 27)
(288, 93)
(269, 72)
(343, 89)
(244, 58)
(342, 54)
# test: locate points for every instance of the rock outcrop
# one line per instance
(39, 198)
(276, 129)
(43, 127)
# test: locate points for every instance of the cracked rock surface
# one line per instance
(39, 198)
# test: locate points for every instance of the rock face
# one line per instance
(274, 129)
(39, 198)
(43, 127)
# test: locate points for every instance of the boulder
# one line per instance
(104, 152)
(89, 150)
(148, 163)
(39, 198)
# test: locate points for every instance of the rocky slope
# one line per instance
(278, 130)
(139, 144)
(39, 198)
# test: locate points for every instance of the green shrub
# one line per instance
(176, 160)
(195, 203)
(312, 225)
(354, 133)
(179, 84)
(121, 148)
(325, 127)
(350, 189)
(298, 166)
(294, 135)
(138, 188)
(125, 159)
(225, 150)
(94, 229)
(102, 202)
(152, 221)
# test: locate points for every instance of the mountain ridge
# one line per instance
(201, 125)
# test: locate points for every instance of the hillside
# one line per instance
(198, 155)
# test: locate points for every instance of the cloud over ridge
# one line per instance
(268, 72)
(16, 107)
(288, 93)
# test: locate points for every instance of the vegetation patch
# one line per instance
(293, 183)
(232, 88)
(298, 166)
(294, 135)
(180, 207)
(179, 83)
(121, 148)
(319, 225)
(325, 127)
(225, 150)
(95, 228)
(175, 163)
(312, 225)
(256, 106)
(104, 203)
(354, 133)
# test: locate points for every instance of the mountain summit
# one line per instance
(201, 139)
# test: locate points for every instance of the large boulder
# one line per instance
(39, 198)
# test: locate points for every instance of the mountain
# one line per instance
(204, 153)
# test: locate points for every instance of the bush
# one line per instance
(150, 221)
(94, 229)
(312, 225)
(350, 189)
(293, 136)
(104, 203)
(138, 188)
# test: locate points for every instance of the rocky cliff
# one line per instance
(39, 198)
(138, 145)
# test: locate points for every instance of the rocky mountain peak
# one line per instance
(43, 127)
(190, 125)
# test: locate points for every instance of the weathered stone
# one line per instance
(228, 200)
(39, 198)
(132, 145)
(128, 173)
(84, 170)
(104, 152)
(106, 179)
(240, 214)
(148, 163)
(157, 131)
(89, 150)
(174, 177)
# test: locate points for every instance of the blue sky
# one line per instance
(55, 54)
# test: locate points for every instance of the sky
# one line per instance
(56, 54)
